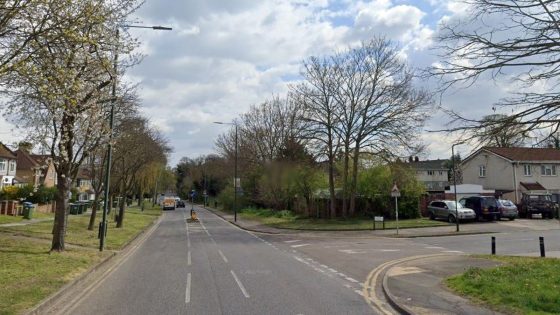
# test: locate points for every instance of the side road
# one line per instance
(415, 286)
(465, 229)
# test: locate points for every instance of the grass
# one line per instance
(287, 220)
(29, 273)
(4, 219)
(523, 285)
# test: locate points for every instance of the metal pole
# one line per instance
(397, 213)
(493, 245)
(455, 187)
(103, 223)
(235, 180)
(541, 244)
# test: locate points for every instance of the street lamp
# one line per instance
(455, 183)
(103, 223)
(235, 172)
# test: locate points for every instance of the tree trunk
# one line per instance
(122, 204)
(345, 178)
(354, 184)
(331, 188)
(94, 207)
(61, 213)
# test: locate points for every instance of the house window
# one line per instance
(2, 165)
(548, 170)
(440, 173)
(527, 169)
(482, 171)
(12, 166)
(430, 172)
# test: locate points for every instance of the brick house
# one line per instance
(8, 166)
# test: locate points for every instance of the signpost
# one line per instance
(378, 219)
(395, 193)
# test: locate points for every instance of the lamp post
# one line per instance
(235, 170)
(455, 183)
(106, 184)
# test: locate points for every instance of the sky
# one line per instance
(223, 56)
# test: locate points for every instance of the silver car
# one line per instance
(507, 209)
(445, 209)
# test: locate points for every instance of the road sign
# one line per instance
(378, 219)
(395, 192)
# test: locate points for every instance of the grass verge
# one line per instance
(523, 285)
(30, 273)
(4, 219)
(287, 220)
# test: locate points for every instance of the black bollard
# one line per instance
(493, 245)
(541, 243)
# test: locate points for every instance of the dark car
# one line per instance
(180, 204)
(485, 207)
(538, 204)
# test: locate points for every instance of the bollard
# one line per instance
(493, 245)
(541, 243)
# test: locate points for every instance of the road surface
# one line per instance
(212, 267)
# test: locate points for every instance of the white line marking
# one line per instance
(188, 290)
(223, 256)
(240, 284)
(189, 258)
(390, 250)
(359, 292)
(299, 245)
(292, 241)
(351, 279)
(452, 251)
(204, 227)
(433, 247)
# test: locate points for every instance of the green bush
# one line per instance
(226, 200)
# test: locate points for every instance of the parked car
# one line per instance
(445, 209)
(485, 207)
(536, 203)
(180, 204)
(507, 209)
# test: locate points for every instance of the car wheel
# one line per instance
(451, 219)
(512, 218)
(432, 216)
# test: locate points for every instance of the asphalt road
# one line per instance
(212, 267)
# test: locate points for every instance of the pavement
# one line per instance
(416, 286)
(26, 222)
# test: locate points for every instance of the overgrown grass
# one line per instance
(287, 220)
(523, 285)
(30, 273)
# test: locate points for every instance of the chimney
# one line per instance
(416, 159)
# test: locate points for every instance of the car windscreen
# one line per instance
(451, 205)
(540, 197)
(507, 203)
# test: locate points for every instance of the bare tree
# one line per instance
(321, 114)
(504, 39)
(137, 146)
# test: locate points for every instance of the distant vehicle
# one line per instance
(168, 203)
(180, 204)
(507, 209)
(446, 209)
(485, 207)
(538, 203)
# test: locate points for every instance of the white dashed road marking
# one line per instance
(188, 290)
(300, 245)
(240, 284)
